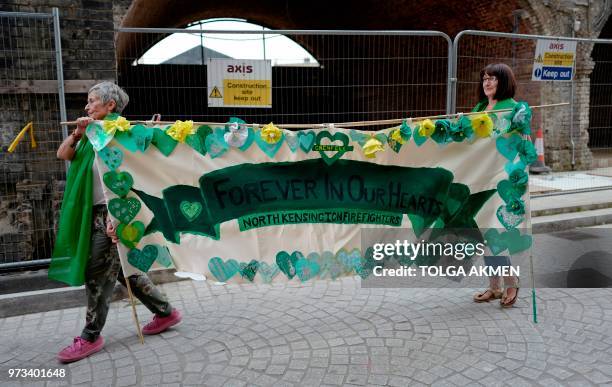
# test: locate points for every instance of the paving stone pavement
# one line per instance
(330, 333)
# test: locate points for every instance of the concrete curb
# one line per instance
(51, 295)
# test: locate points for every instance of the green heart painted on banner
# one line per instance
(292, 141)
(338, 136)
(507, 147)
(143, 260)
(286, 262)
(507, 190)
(137, 139)
(163, 256)
(215, 144)
(249, 270)
(198, 140)
(124, 210)
(394, 145)
(517, 242)
(119, 183)
(223, 271)
(267, 148)
(191, 210)
(97, 136)
(163, 142)
(507, 218)
(306, 269)
(130, 234)
(267, 272)
(495, 241)
(111, 156)
(306, 140)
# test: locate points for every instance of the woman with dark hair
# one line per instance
(496, 91)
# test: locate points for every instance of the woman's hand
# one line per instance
(111, 232)
(82, 123)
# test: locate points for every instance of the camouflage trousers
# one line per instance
(102, 271)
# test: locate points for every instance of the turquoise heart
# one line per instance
(191, 210)
(359, 137)
(286, 262)
(249, 140)
(119, 183)
(495, 241)
(249, 270)
(510, 167)
(97, 136)
(306, 140)
(366, 264)
(508, 191)
(216, 146)
(291, 139)
(507, 147)
(163, 142)
(111, 156)
(418, 139)
(137, 139)
(517, 242)
(350, 260)
(142, 260)
(163, 256)
(124, 210)
(381, 137)
(306, 269)
(223, 271)
(507, 218)
(268, 271)
(269, 149)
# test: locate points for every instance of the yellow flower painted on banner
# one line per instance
(396, 136)
(121, 124)
(180, 130)
(483, 125)
(271, 134)
(426, 128)
(371, 147)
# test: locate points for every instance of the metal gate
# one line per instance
(31, 90)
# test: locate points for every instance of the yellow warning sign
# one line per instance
(565, 59)
(215, 93)
(248, 92)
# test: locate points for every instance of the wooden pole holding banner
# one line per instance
(345, 124)
(134, 314)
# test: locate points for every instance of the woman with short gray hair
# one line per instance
(82, 252)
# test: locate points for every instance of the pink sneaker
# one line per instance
(80, 349)
(160, 324)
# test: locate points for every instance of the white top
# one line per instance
(98, 193)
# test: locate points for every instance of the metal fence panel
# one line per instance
(28, 93)
(357, 76)
(565, 128)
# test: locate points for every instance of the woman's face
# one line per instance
(489, 85)
(96, 109)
